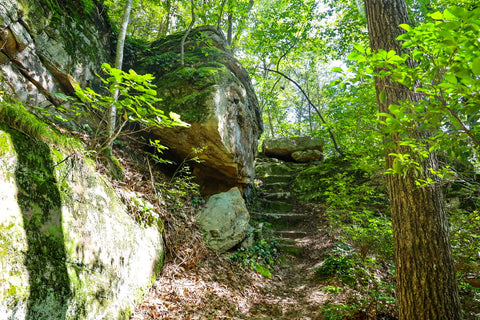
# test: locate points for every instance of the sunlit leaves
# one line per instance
(136, 100)
(441, 64)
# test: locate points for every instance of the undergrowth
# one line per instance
(259, 252)
(362, 260)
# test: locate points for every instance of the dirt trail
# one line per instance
(208, 286)
(217, 288)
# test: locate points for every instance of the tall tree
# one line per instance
(426, 281)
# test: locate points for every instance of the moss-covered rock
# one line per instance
(51, 44)
(213, 93)
(68, 248)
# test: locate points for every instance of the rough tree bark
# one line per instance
(426, 284)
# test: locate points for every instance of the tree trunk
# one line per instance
(426, 284)
(182, 44)
(230, 28)
(112, 111)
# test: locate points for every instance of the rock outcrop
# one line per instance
(68, 249)
(300, 149)
(48, 45)
(224, 221)
(213, 93)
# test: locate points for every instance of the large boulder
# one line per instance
(213, 93)
(224, 221)
(68, 248)
(46, 46)
(300, 149)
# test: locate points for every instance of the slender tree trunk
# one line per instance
(220, 14)
(230, 29)
(112, 111)
(182, 44)
(426, 284)
(165, 24)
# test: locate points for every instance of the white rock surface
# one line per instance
(224, 220)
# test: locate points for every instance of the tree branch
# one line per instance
(332, 137)
(182, 44)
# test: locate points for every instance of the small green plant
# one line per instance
(339, 311)
(332, 289)
(357, 210)
(144, 212)
(261, 256)
(341, 266)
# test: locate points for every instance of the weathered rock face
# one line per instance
(224, 220)
(307, 155)
(300, 149)
(47, 45)
(68, 248)
(213, 93)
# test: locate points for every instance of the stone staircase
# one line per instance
(276, 205)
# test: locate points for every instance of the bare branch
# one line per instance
(332, 137)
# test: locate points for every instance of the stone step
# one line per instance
(289, 234)
(276, 187)
(291, 249)
(262, 205)
(267, 179)
(282, 217)
(290, 246)
(278, 196)
(269, 168)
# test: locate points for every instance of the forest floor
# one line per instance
(196, 283)
(217, 287)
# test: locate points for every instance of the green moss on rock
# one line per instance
(52, 266)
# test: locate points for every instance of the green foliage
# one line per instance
(442, 55)
(466, 239)
(360, 211)
(262, 255)
(362, 275)
(182, 190)
(135, 103)
(341, 266)
(144, 212)
(339, 311)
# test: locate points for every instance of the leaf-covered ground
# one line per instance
(195, 283)
(215, 287)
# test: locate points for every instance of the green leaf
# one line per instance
(406, 27)
(476, 66)
(355, 56)
(382, 97)
(449, 15)
(450, 78)
(337, 69)
(437, 16)
(398, 76)
(359, 47)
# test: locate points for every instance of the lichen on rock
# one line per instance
(224, 221)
